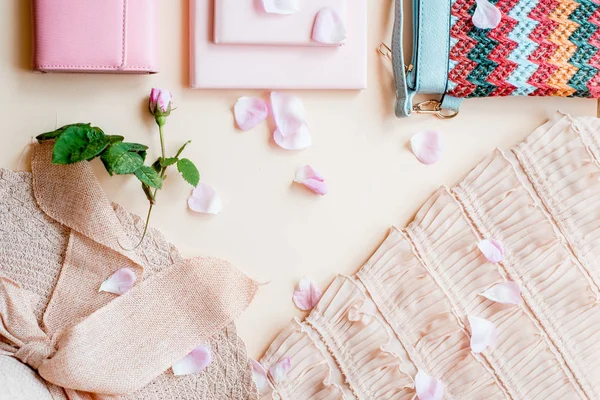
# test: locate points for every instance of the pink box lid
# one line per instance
(246, 22)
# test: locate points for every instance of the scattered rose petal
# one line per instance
(505, 293)
(310, 178)
(260, 378)
(193, 363)
(299, 140)
(329, 28)
(487, 15)
(204, 199)
(280, 370)
(427, 146)
(250, 111)
(427, 387)
(284, 7)
(307, 294)
(492, 250)
(120, 282)
(362, 311)
(288, 112)
(483, 334)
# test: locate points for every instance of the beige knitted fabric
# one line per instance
(542, 202)
(33, 247)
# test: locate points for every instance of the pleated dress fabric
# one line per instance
(541, 201)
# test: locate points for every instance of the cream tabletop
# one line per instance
(274, 231)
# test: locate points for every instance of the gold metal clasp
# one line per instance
(385, 51)
(434, 107)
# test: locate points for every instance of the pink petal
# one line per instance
(284, 7)
(288, 113)
(120, 282)
(280, 370)
(427, 387)
(250, 111)
(164, 99)
(329, 28)
(153, 99)
(194, 362)
(310, 178)
(487, 15)
(505, 293)
(492, 250)
(483, 334)
(299, 140)
(427, 146)
(362, 311)
(260, 378)
(204, 199)
(307, 294)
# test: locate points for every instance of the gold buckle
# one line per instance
(385, 51)
(434, 107)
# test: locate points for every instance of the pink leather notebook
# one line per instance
(117, 36)
(246, 22)
(221, 66)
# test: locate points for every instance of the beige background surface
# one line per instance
(269, 228)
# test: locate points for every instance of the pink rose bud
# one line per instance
(160, 104)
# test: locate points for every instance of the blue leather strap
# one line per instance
(403, 100)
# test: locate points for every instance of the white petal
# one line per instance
(260, 378)
(280, 370)
(204, 199)
(427, 387)
(492, 249)
(299, 140)
(288, 112)
(250, 111)
(428, 146)
(483, 334)
(307, 294)
(284, 7)
(120, 282)
(505, 293)
(313, 180)
(329, 27)
(193, 363)
(487, 15)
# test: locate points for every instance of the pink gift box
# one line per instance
(222, 66)
(119, 36)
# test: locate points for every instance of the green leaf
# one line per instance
(115, 138)
(166, 162)
(188, 171)
(78, 143)
(120, 159)
(149, 176)
(157, 166)
(182, 148)
(58, 132)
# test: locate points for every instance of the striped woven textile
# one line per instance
(540, 48)
(409, 307)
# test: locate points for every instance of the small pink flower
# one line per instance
(160, 102)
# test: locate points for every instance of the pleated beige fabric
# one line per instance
(97, 345)
(542, 202)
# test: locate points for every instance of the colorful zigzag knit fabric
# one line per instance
(540, 48)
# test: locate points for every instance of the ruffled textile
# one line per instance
(541, 201)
